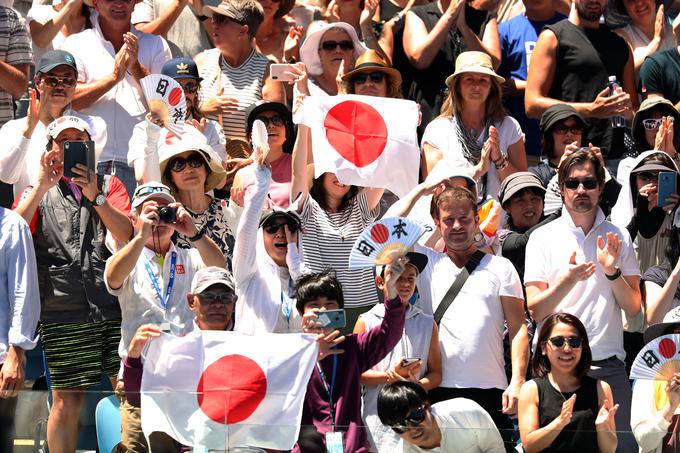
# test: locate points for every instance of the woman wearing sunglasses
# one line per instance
(647, 126)
(563, 409)
(373, 76)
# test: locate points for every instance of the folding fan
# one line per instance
(658, 360)
(165, 98)
(259, 137)
(383, 239)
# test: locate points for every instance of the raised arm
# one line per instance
(43, 34)
(659, 300)
(421, 46)
(162, 24)
(300, 180)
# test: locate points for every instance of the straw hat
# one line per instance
(473, 61)
(371, 61)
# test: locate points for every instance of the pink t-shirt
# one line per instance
(279, 190)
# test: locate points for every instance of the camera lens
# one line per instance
(167, 214)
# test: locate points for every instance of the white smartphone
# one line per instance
(281, 72)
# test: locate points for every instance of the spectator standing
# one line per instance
(19, 314)
(591, 273)
(51, 24)
(112, 57)
(272, 38)
(79, 321)
(659, 72)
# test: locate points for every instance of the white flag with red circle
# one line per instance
(221, 390)
(365, 140)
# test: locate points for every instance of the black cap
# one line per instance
(556, 113)
(54, 58)
(265, 106)
(180, 68)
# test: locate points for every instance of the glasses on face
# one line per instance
(273, 228)
(652, 124)
(194, 160)
(332, 45)
(215, 297)
(587, 183)
(190, 87)
(54, 81)
(415, 418)
(559, 342)
(219, 19)
(276, 120)
(576, 129)
(647, 176)
(376, 77)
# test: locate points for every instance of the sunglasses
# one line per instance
(332, 45)
(214, 297)
(559, 342)
(195, 161)
(587, 183)
(54, 81)
(219, 19)
(273, 228)
(276, 120)
(190, 87)
(415, 418)
(145, 191)
(647, 176)
(376, 77)
(562, 129)
(652, 124)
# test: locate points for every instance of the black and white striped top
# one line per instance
(15, 50)
(243, 83)
(327, 241)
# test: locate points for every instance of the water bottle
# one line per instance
(617, 121)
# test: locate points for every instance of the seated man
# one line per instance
(457, 424)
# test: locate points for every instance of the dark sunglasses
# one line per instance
(647, 176)
(652, 124)
(588, 183)
(415, 418)
(190, 87)
(178, 164)
(220, 19)
(332, 45)
(562, 129)
(54, 81)
(273, 228)
(573, 342)
(376, 77)
(214, 297)
(276, 120)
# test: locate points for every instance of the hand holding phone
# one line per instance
(282, 73)
(78, 152)
(666, 186)
(331, 319)
(408, 361)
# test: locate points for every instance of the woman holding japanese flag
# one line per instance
(472, 129)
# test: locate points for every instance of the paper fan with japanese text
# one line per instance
(383, 239)
(165, 98)
(658, 360)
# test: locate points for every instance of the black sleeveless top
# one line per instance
(586, 57)
(579, 435)
(399, 59)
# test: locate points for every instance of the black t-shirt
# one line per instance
(660, 73)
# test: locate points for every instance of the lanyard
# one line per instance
(287, 302)
(329, 391)
(171, 281)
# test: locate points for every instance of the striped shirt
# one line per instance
(15, 49)
(243, 83)
(327, 241)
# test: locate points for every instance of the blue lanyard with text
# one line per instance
(330, 390)
(171, 281)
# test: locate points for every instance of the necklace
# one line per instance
(346, 213)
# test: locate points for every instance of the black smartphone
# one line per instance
(81, 152)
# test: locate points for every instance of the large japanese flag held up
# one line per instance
(365, 140)
(221, 390)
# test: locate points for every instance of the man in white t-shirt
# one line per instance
(458, 424)
(584, 265)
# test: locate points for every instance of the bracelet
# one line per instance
(197, 236)
(614, 276)
(502, 166)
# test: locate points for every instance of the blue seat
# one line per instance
(107, 419)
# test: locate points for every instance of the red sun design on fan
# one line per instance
(667, 348)
(356, 131)
(379, 233)
(174, 96)
(231, 388)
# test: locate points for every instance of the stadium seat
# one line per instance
(107, 418)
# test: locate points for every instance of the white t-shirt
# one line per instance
(441, 133)
(471, 330)
(465, 428)
(592, 301)
(43, 14)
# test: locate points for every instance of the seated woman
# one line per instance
(558, 409)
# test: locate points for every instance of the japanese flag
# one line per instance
(365, 140)
(220, 390)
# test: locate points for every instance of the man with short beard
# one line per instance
(579, 46)
(584, 265)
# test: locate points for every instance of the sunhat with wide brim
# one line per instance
(371, 61)
(193, 142)
(309, 52)
(473, 61)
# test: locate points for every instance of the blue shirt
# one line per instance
(518, 38)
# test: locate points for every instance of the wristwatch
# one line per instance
(99, 200)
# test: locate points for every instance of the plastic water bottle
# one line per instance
(617, 121)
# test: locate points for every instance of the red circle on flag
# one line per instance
(356, 131)
(667, 348)
(174, 96)
(379, 233)
(231, 388)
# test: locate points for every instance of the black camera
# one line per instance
(166, 214)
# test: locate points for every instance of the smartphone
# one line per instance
(334, 319)
(408, 361)
(666, 186)
(280, 72)
(78, 153)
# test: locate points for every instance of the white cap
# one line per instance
(59, 125)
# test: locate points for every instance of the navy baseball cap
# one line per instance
(54, 58)
(180, 68)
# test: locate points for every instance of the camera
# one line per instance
(166, 214)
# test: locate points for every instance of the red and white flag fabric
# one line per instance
(365, 140)
(221, 390)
